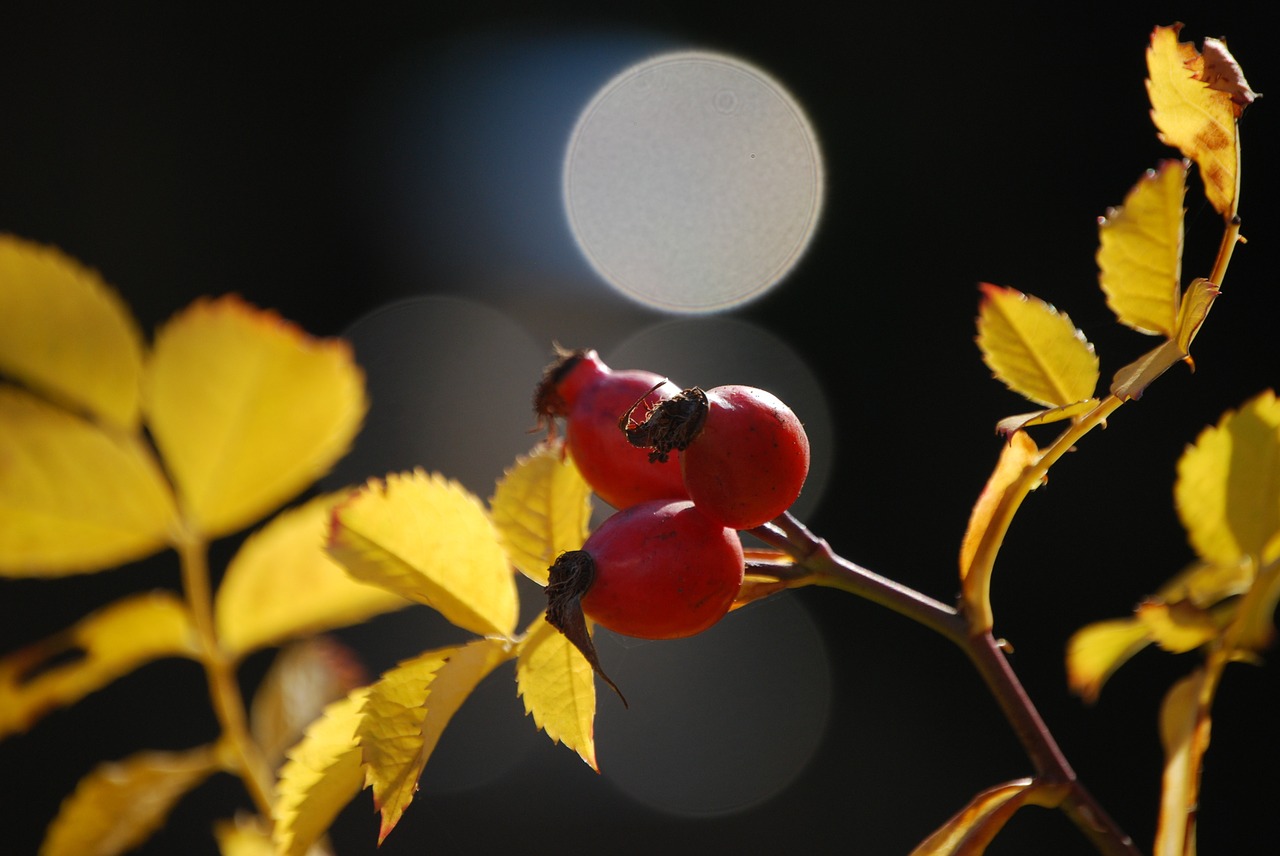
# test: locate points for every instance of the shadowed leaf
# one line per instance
(119, 804)
(558, 687)
(74, 497)
(407, 710)
(970, 831)
(1184, 733)
(1192, 115)
(100, 648)
(247, 410)
(67, 334)
(1034, 349)
(322, 775)
(1228, 488)
(1140, 252)
(281, 584)
(541, 508)
(1132, 380)
(428, 539)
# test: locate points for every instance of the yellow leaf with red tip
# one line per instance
(119, 804)
(541, 507)
(426, 538)
(247, 410)
(105, 645)
(67, 334)
(281, 584)
(322, 775)
(406, 712)
(1140, 252)
(1034, 349)
(74, 495)
(558, 687)
(1195, 101)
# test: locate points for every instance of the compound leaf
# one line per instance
(322, 775)
(247, 410)
(1228, 486)
(74, 496)
(1034, 349)
(1195, 101)
(541, 507)
(1140, 251)
(970, 831)
(119, 804)
(100, 648)
(281, 584)
(67, 334)
(405, 713)
(428, 539)
(1095, 651)
(558, 687)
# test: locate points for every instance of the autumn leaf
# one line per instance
(428, 539)
(74, 496)
(304, 678)
(558, 687)
(1034, 349)
(541, 507)
(322, 775)
(407, 710)
(1021, 421)
(970, 831)
(1184, 734)
(281, 584)
(1228, 487)
(67, 334)
(247, 410)
(119, 804)
(1177, 627)
(1195, 101)
(1019, 453)
(1140, 252)
(1095, 651)
(1132, 380)
(100, 648)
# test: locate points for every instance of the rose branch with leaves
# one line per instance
(112, 450)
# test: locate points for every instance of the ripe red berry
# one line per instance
(591, 397)
(744, 454)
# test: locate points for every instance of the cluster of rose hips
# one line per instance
(685, 471)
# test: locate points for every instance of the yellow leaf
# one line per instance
(541, 507)
(1192, 116)
(1034, 349)
(282, 584)
(322, 775)
(304, 677)
(1095, 652)
(1019, 421)
(970, 831)
(1184, 733)
(101, 647)
(66, 333)
(119, 804)
(1177, 627)
(1228, 487)
(407, 710)
(1204, 584)
(1258, 609)
(74, 496)
(1193, 309)
(247, 410)
(1018, 454)
(428, 539)
(1140, 252)
(558, 687)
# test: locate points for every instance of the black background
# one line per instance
(185, 153)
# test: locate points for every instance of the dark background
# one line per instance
(185, 153)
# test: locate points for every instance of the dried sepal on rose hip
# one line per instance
(657, 570)
(744, 455)
(579, 388)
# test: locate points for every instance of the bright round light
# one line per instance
(693, 182)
